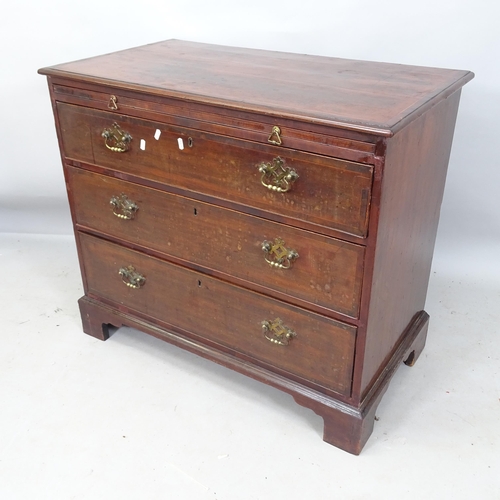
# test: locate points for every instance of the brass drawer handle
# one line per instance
(131, 278)
(116, 139)
(277, 333)
(123, 207)
(277, 255)
(276, 176)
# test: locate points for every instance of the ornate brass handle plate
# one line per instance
(276, 176)
(132, 278)
(277, 255)
(277, 333)
(123, 207)
(116, 139)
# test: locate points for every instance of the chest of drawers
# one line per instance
(275, 213)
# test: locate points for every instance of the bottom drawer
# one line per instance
(316, 349)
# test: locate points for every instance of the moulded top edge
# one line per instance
(369, 97)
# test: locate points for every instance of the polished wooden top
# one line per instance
(378, 98)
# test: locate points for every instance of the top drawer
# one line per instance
(323, 191)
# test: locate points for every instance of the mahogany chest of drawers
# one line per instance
(275, 213)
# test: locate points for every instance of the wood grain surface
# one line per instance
(218, 312)
(370, 143)
(328, 271)
(359, 95)
(328, 192)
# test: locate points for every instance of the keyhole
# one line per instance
(190, 142)
(199, 283)
(195, 211)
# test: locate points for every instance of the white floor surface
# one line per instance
(136, 418)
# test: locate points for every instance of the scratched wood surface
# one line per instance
(327, 272)
(322, 352)
(370, 143)
(354, 94)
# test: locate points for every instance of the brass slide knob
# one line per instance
(275, 136)
(112, 104)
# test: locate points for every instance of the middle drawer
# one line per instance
(294, 262)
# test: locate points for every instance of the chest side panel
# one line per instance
(412, 190)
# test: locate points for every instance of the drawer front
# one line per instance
(328, 192)
(314, 138)
(321, 351)
(326, 272)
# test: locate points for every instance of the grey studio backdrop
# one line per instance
(134, 416)
(450, 34)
